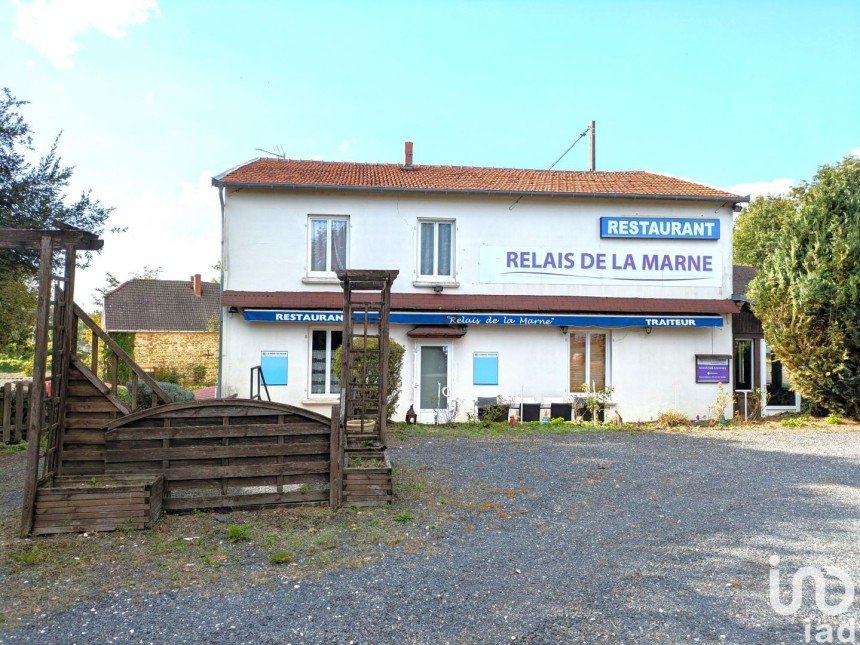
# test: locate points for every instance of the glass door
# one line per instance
(433, 377)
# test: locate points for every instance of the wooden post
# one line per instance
(37, 389)
(592, 152)
(335, 486)
(7, 412)
(20, 390)
(384, 312)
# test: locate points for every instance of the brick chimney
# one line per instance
(196, 285)
(407, 161)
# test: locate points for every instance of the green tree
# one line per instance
(18, 313)
(32, 195)
(758, 227)
(807, 292)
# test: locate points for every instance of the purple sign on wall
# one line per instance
(712, 369)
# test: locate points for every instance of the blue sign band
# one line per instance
(535, 320)
(660, 228)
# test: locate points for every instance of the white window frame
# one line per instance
(436, 276)
(329, 356)
(328, 219)
(767, 410)
(737, 362)
(607, 356)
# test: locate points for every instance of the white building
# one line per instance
(519, 283)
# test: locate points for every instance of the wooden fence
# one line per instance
(14, 410)
(225, 453)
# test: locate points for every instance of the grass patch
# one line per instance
(282, 557)
(195, 550)
(12, 448)
(237, 532)
(404, 516)
(506, 431)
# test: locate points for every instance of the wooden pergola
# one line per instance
(58, 319)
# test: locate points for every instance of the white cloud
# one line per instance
(53, 26)
(344, 145)
(179, 231)
(779, 186)
(854, 152)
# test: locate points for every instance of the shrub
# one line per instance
(395, 367)
(173, 391)
(199, 373)
(282, 557)
(237, 532)
(832, 419)
(167, 374)
(672, 419)
(497, 412)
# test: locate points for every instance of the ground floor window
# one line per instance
(780, 387)
(743, 364)
(324, 344)
(589, 360)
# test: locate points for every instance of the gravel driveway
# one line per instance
(603, 537)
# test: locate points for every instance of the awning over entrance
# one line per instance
(436, 331)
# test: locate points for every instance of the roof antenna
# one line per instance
(564, 154)
(277, 155)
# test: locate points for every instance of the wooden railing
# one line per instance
(115, 355)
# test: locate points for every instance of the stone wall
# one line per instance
(178, 350)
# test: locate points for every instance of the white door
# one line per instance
(433, 374)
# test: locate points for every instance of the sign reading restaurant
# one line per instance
(660, 228)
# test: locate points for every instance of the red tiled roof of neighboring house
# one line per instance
(482, 303)
(335, 175)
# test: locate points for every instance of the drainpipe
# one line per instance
(220, 308)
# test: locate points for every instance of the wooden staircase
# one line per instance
(92, 403)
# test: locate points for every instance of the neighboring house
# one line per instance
(172, 325)
(755, 365)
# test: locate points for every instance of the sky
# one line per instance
(154, 98)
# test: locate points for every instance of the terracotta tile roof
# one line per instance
(482, 303)
(161, 305)
(335, 175)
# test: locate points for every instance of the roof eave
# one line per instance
(730, 199)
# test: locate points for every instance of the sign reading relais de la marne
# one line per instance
(630, 250)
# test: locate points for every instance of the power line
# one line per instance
(555, 163)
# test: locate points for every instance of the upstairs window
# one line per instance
(328, 244)
(436, 249)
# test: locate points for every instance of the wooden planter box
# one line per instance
(77, 504)
(368, 486)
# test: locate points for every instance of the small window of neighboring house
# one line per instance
(327, 244)
(436, 249)
(324, 344)
(275, 367)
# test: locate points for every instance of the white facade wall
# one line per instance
(266, 249)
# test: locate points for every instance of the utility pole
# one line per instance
(593, 163)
